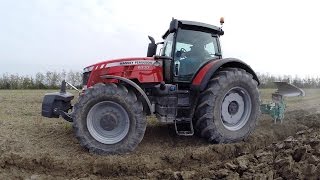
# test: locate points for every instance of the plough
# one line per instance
(277, 107)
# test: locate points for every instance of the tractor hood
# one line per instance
(142, 69)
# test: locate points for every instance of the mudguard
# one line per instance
(134, 85)
(204, 74)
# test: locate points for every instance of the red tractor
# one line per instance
(187, 84)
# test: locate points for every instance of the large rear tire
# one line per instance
(109, 119)
(229, 107)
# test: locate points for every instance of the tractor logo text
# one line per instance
(133, 63)
(126, 63)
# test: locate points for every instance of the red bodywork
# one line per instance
(144, 69)
(203, 71)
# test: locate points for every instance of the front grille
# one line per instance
(85, 77)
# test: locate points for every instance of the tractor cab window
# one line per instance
(193, 49)
(168, 45)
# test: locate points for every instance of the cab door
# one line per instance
(192, 50)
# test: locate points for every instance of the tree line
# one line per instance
(52, 80)
(48, 80)
(266, 81)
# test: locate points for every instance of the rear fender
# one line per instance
(205, 73)
(136, 87)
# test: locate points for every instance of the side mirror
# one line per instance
(152, 47)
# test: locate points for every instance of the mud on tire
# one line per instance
(109, 119)
(228, 108)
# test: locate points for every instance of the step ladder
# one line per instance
(184, 127)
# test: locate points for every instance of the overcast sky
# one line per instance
(279, 37)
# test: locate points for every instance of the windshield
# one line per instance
(193, 49)
(167, 46)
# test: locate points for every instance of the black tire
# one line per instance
(124, 115)
(232, 90)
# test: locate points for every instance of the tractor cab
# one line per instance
(189, 45)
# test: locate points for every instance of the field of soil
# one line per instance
(33, 147)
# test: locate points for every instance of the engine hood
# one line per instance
(142, 69)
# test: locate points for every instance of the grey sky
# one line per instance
(40, 35)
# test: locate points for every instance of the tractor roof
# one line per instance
(192, 25)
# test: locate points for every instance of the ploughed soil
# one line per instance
(33, 147)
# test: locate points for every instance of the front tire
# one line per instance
(109, 119)
(229, 107)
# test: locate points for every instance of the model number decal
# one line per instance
(143, 67)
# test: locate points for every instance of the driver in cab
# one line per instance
(190, 60)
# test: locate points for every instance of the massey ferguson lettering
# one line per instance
(131, 63)
(126, 63)
(144, 62)
(136, 63)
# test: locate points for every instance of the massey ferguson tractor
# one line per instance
(188, 84)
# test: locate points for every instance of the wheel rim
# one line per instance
(236, 108)
(108, 122)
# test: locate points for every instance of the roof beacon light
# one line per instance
(221, 22)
